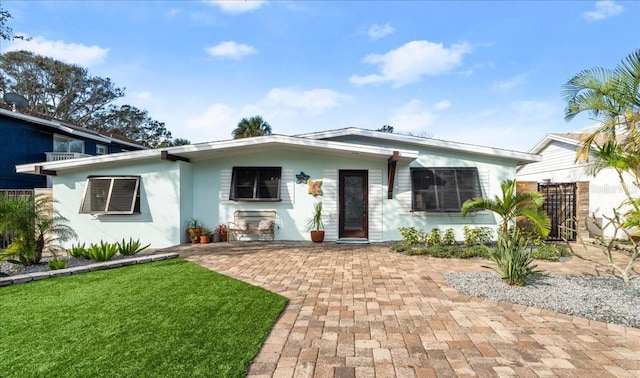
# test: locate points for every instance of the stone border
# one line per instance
(23, 278)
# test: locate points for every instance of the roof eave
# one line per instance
(192, 151)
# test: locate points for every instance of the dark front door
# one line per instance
(353, 204)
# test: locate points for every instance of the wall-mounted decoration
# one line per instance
(302, 178)
(315, 187)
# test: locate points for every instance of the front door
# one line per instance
(353, 204)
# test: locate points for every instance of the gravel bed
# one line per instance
(13, 269)
(604, 299)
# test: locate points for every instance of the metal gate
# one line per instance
(560, 205)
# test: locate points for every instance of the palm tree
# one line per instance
(511, 206)
(35, 227)
(252, 127)
(611, 97)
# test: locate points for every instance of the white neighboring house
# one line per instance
(600, 194)
(372, 183)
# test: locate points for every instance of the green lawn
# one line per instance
(165, 319)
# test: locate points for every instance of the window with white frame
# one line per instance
(101, 149)
(443, 189)
(111, 195)
(65, 144)
(255, 184)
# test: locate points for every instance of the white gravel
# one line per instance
(604, 299)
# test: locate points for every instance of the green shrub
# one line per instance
(411, 235)
(131, 247)
(78, 251)
(477, 235)
(468, 252)
(399, 247)
(514, 263)
(416, 251)
(434, 237)
(55, 264)
(439, 251)
(548, 251)
(102, 252)
(449, 237)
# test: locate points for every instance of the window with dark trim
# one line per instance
(255, 184)
(111, 195)
(443, 189)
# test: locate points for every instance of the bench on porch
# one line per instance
(253, 222)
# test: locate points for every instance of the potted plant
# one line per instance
(205, 236)
(315, 224)
(221, 231)
(194, 229)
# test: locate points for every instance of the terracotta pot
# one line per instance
(223, 237)
(317, 236)
(194, 233)
(204, 239)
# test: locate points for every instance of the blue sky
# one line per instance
(483, 72)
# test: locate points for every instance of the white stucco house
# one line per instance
(557, 172)
(371, 184)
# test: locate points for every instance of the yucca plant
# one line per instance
(102, 252)
(78, 251)
(131, 247)
(56, 263)
(512, 260)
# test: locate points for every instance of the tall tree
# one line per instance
(67, 92)
(612, 98)
(512, 205)
(129, 122)
(252, 127)
(54, 88)
(6, 32)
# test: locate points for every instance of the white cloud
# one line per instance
(313, 101)
(279, 107)
(142, 95)
(508, 85)
(410, 62)
(411, 117)
(604, 9)
(216, 123)
(73, 53)
(378, 31)
(237, 6)
(231, 50)
(441, 105)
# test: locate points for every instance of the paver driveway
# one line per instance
(364, 311)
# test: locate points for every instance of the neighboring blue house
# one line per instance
(29, 139)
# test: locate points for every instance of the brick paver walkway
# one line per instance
(364, 311)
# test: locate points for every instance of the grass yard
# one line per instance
(165, 319)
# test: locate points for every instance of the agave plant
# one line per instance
(102, 252)
(131, 247)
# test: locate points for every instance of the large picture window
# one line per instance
(443, 189)
(255, 184)
(111, 195)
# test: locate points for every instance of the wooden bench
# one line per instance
(253, 222)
